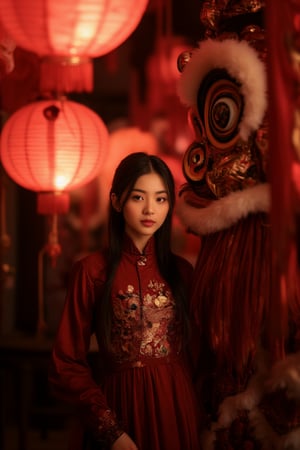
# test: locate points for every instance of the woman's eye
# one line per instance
(137, 197)
(161, 199)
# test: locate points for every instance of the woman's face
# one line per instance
(146, 208)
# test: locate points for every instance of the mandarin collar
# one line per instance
(129, 246)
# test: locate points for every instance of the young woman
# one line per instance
(133, 298)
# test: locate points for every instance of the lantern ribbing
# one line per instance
(53, 155)
(67, 34)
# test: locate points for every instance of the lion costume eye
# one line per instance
(194, 163)
(220, 105)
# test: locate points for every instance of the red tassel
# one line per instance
(63, 75)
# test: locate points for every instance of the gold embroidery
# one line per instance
(144, 326)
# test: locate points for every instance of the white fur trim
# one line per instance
(249, 400)
(291, 440)
(269, 438)
(207, 439)
(285, 374)
(230, 407)
(242, 62)
(263, 431)
(246, 400)
(225, 212)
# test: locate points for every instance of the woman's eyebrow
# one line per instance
(144, 192)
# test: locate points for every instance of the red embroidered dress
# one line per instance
(145, 387)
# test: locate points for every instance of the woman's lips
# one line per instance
(147, 223)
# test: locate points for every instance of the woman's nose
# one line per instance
(149, 207)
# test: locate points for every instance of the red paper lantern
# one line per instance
(53, 146)
(70, 32)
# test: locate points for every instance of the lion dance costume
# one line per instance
(226, 201)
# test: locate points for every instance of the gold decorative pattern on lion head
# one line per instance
(223, 84)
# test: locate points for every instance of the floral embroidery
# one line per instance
(161, 300)
(129, 304)
(143, 326)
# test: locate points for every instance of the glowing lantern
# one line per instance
(67, 33)
(53, 146)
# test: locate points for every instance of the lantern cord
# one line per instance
(4, 237)
(42, 326)
(164, 19)
(164, 32)
(53, 249)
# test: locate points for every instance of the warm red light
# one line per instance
(71, 27)
(68, 33)
(53, 145)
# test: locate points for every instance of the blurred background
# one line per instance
(133, 91)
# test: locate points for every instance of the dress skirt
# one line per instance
(155, 405)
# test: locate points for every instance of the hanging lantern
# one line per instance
(51, 147)
(68, 33)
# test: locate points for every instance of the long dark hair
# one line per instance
(129, 170)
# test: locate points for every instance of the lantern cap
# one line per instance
(65, 74)
(49, 203)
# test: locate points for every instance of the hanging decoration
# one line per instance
(51, 147)
(163, 115)
(67, 34)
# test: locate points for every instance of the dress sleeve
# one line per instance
(70, 375)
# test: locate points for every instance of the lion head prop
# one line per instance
(226, 201)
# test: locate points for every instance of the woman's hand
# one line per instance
(124, 443)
